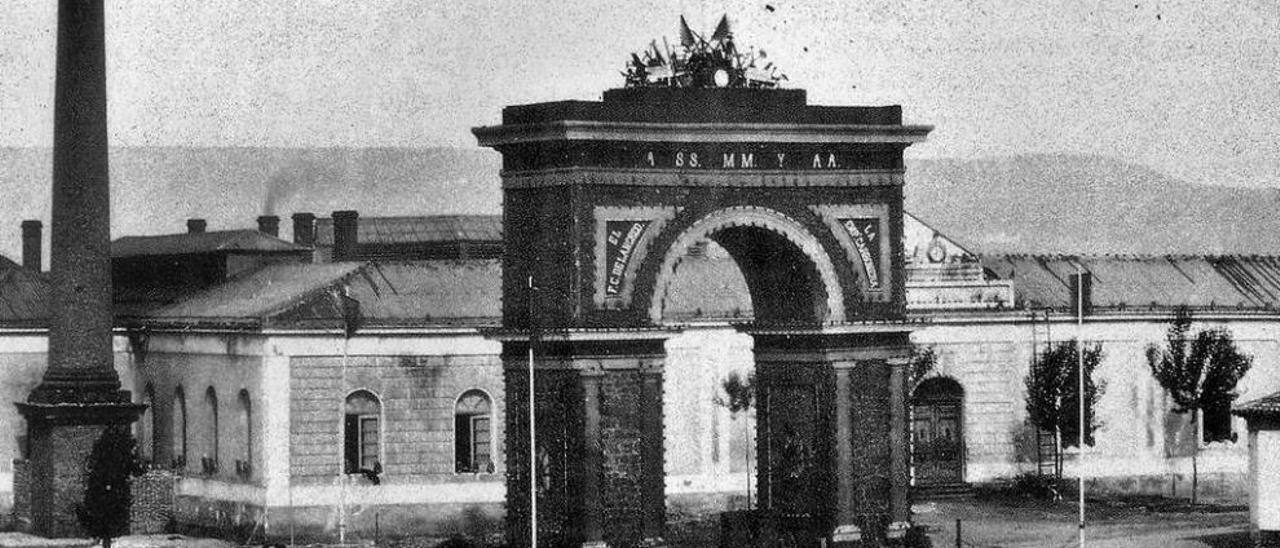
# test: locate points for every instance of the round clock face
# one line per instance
(937, 253)
(722, 78)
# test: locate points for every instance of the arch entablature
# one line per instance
(745, 216)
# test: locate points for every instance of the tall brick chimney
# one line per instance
(345, 234)
(32, 243)
(304, 229)
(79, 395)
(269, 225)
(196, 226)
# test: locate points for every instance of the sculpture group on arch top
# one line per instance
(702, 63)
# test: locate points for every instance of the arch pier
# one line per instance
(602, 199)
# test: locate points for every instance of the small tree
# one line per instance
(923, 361)
(1053, 394)
(107, 497)
(1200, 374)
(738, 397)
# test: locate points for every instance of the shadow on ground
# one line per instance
(1224, 540)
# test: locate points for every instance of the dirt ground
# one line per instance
(998, 523)
(23, 540)
(1114, 523)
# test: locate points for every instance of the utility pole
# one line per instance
(1080, 395)
(533, 438)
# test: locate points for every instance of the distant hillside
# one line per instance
(1039, 203)
(1087, 204)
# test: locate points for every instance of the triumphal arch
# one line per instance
(601, 201)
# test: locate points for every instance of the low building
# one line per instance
(343, 381)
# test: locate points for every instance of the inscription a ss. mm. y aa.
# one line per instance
(714, 159)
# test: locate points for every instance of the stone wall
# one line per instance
(417, 395)
(21, 495)
(1141, 445)
(153, 503)
(218, 430)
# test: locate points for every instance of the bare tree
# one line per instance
(1200, 374)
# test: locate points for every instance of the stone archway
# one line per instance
(599, 200)
(789, 275)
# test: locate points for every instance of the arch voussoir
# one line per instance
(754, 217)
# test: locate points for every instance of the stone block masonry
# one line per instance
(153, 503)
(417, 395)
(598, 466)
(57, 481)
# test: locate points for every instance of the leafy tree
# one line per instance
(108, 496)
(923, 361)
(1200, 374)
(738, 397)
(1053, 393)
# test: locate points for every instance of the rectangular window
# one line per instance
(368, 442)
(463, 446)
(361, 444)
(1217, 424)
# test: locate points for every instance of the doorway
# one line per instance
(937, 432)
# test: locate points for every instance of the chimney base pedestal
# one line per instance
(59, 439)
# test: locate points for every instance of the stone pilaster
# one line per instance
(832, 438)
(599, 456)
(899, 442)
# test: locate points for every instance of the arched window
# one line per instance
(473, 444)
(179, 428)
(243, 469)
(209, 463)
(147, 426)
(361, 432)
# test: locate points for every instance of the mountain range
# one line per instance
(1046, 203)
(1088, 204)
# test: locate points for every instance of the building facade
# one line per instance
(329, 397)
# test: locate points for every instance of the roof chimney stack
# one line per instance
(32, 234)
(345, 236)
(269, 225)
(1081, 292)
(196, 226)
(304, 229)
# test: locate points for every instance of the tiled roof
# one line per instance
(399, 293)
(1133, 281)
(1265, 407)
(257, 294)
(419, 293)
(430, 292)
(707, 287)
(245, 241)
(413, 230)
(24, 295)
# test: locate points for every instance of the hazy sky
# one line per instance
(1189, 87)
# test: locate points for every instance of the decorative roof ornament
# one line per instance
(702, 63)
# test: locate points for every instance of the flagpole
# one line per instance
(1081, 395)
(533, 453)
